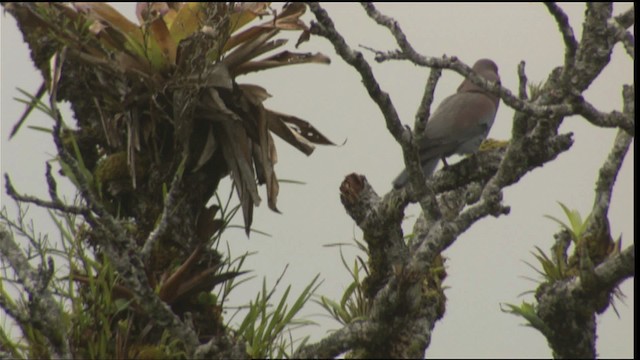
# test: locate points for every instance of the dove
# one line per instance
(459, 124)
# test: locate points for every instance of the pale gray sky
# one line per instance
(486, 265)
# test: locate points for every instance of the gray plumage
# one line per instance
(459, 124)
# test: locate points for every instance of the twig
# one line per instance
(570, 43)
(56, 204)
(610, 120)
(403, 136)
(608, 174)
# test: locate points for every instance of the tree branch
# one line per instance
(55, 204)
(44, 312)
(610, 120)
(355, 334)
(170, 203)
(403, 136)
(570, 43)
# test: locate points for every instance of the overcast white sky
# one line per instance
(486, 265)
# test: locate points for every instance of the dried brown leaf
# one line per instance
(254, 93)
(280, 128)
(289, 18)
(297, 132)
(208, 150)
(283, 58)
(251, 48)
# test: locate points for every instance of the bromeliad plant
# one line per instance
(588, 252)
(164, 91)
(160, 120)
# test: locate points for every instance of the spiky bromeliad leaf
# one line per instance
(576, 226)
(528, 311)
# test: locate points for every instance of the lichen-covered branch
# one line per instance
(44, 311)
(55, 204)
(570, 43)
(569, 307)
(325, 27)
(340, 341)
(169, 209)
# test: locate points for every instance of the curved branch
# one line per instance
(357, 333)
(55, 204)
(616, 269)
(610, 120)
(570, 42)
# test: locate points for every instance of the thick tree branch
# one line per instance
(535, 142)
(222, 347)
(609, 173)
(355, 334)
(615, 269)
(380, 220)
(568, 307)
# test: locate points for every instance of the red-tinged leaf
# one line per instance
(133, 39)
(243, 13)
(287, 20)
(203, 281)
(207, 224)
(106, 13)
(168, 291)
(164, 43)
(129, 63)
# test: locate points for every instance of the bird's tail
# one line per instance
(428, 167)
